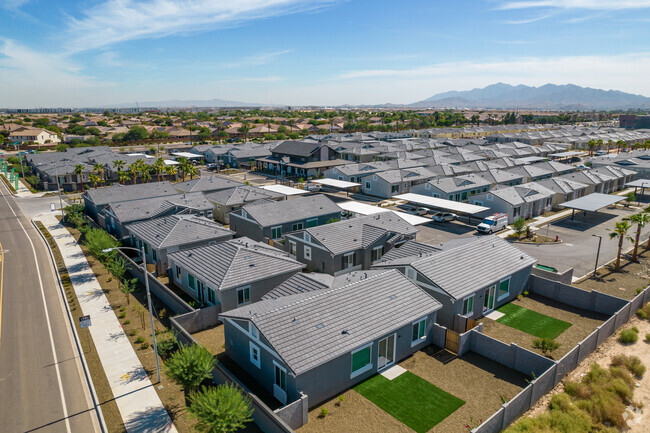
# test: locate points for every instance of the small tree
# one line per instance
(220, 409)
(127, 287)
(190, 366)
(546, 345)
(519, 226)
(620, 232)
(630, 197)
(640, 219)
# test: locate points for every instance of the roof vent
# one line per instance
(320, 326)
(345, 332)
(294, 320)
(251, 265)
(392, 297)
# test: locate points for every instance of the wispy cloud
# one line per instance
(577, 4)
(527, 21)
(256, 60)
(251, 80)
(114, 21)
(12, 5)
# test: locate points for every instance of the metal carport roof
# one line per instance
(441, 203)
(342, 184)
(566, 154)
(593, 202)
(367, 209)
(639, 183)
(286, 190)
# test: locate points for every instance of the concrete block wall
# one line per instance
(439, 335)
(564, 277)
(295, 414)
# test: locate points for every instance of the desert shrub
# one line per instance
(628, 336)
(167, 346)
(190, 366)
(139, 340)
(632, 363)
(220, 409)
(546, 345)
(641, 314)
(97, 240)
(323, 412)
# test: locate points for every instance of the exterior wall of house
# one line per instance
(324, 381)
(496, 205)
(378, 187)
(250, 228)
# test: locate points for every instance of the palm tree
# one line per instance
(122, 177)
(191, 170)
(620, 232)
(95, 180)
(118, 164)
(591, 144)
(146, 175)
(619, 145)
(78, 170)
(99, 169)
(134, 170)
(640, 219)
(183, 166)
(171, 171)
(245, 128)
(610, 143)
(159, 166)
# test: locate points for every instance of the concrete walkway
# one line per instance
(23, 191)
(140, 407)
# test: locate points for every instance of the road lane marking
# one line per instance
(47, 318)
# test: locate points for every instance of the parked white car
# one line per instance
(441, 217)
(312, 187)
(493, 223)
(417, 211)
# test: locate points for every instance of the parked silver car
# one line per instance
(441, 217)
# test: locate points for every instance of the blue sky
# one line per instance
(321, 52)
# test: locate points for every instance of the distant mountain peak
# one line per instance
(546, 97)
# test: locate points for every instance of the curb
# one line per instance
(89, 380)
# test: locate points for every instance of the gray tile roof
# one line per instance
(235, 262)
(357, 233)
(206, 184)
(178, 230)
(463, 270)
(269, 213)
(312, 328)
(409, 250)
(117, 193)
(301, 283)
(240, 195)
(137, 210)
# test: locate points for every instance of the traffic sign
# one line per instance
(84, 321)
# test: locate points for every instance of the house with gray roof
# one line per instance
(598, 181)
(232, 273)
(167, 234)
(267, 219)
(469, 280)
(498, 176)
(458, 188)
(97, 199)
(354, 172)
(322, 342)
(527, 200)
(532, 172)
(348, 245)
(636, 160)
(228, 200)
(393, 182)
(206, 184)
(564, 189)
(622, 175)
(117, 215)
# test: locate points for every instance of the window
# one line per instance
(307, 253)
(212, 296)
(394, 188)
(292, 248)
(489, 197)
(348, 260)
(451, 196)
(478, 203)
(255, 355)
(361, 360)
(504, 288)
(296, 226)
(154, 255)
(178, 273)
(243, 295)
(367, 185)
(244, 213)
(418, 331)
(464, 196)
(307, 237)
(377, 252)
(280, 377)
(276, 232)
(312, 222)
(549, 201)
(190, 281)
(427, 186)
(255, 333)
(146, 248)
(516, 211)
(468, 305)
(410, 273)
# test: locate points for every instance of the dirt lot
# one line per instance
(212, 339)
(582, 322)
(480, 382)
(638, 422)
(624, 284)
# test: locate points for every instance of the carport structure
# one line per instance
(591, 203)
(639, 183)
(457, 207)
(338, 184)
(566, 155)
(367, 209)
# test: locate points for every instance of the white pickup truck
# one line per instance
(493, 223)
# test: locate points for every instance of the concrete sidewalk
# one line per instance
(23, 191)
(140, 407)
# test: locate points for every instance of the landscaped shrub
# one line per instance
(97, 241)
(144, 345)
(628, 336)
(323, 412)
(167, 346)
(632, 363)
(546, 345)
(190, 366)
(641, 314)
(139, 340)
(220, 409)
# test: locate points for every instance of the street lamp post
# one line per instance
(58, 189)
(146, 285)
(600, 239)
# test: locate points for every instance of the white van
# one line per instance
(493, 223)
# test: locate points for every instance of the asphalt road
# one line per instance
(42, 388)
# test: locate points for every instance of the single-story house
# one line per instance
(231, 273)
(564, 189)
(228, 200)
(167, 234)
(458, 188)
(469, 279)
(393, 182)
(348, 245)
(267, 219)
(323, 342)
(206, 184)
(527, 200)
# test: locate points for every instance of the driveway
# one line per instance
(579, 246)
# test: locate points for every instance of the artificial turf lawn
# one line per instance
(410, 399)
(531, 322)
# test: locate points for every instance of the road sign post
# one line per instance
(85, 322)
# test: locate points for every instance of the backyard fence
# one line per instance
(556, 370)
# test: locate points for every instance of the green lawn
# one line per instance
(410, 399)
(531, 322)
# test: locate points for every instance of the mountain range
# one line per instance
(546, 97)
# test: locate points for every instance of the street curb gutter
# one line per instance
(89, 380)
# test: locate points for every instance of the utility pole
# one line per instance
(600, 239)
(153, 329)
